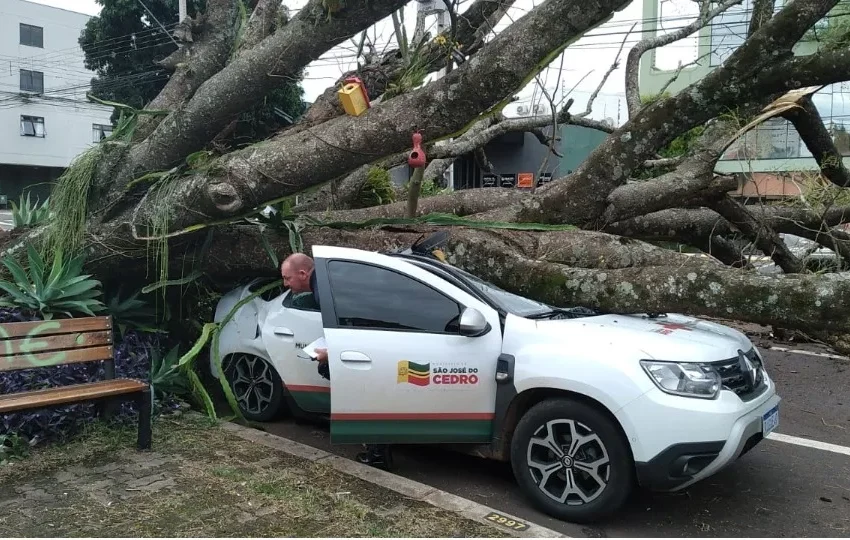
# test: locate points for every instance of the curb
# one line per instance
(404, 486)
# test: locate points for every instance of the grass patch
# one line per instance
(200, 480)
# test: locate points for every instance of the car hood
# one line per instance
(670, 337)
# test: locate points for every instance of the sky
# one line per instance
(583, 66)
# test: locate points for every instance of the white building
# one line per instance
(45, 118)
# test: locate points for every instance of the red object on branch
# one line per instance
(416, 159)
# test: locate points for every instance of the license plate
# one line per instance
(770, 420)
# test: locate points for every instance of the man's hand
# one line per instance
(322, 356)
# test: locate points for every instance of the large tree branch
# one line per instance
(339, 195)
(262, 22)
(251, 75)
(808, 123)
(647, 44)
(676, 223)
(676, 286)
(690, 180)
(465, 202)
(681, 187)
(472, 26)
(761, 234)
(195, 62)
(755, 69)
(288, 164)
(563, 269)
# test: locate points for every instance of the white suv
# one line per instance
(584, 405)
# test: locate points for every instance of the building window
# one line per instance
(32, 81)
(32, 126)
(100, 132)
(32, 36)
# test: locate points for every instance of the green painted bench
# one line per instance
(28, 345)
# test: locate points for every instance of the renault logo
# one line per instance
(748, 370)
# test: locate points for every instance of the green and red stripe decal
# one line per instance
(315, 399)
(390, 427)
(411, 427)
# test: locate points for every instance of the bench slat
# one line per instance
(45, 344)
(57, 326)
(44, 359)
(68, 394)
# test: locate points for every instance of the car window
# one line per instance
(367, 296)
(301, 301)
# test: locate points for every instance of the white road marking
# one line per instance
(810, 353)
(809, 443)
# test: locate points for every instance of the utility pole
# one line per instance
(182, 10)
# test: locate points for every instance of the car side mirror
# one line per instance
(473, 323)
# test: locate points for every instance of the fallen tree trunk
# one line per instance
(578, 268)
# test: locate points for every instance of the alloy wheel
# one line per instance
(568, 462)
(252, 383)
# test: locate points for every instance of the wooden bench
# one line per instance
(28, 345)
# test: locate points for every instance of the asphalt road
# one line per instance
(777, 490)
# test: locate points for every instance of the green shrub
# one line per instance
(166, 377)
(61, 289)
(13, 446)
(131, 312)
(377, 189)
(27, 214)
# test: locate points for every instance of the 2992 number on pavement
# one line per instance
(507, 522)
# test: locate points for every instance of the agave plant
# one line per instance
(166, 375)
(64, 290)
(29, 215)
(131, 312)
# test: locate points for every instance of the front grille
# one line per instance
(733, 377)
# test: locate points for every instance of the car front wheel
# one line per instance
(572, 461)
(256, 386)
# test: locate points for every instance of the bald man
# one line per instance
(298, 274)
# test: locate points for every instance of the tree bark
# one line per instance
(472, 25)
(583, 268)
(580, 199)
(809, 124)
(288, 163)
(198, 61)
(241, 83)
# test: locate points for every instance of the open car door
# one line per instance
(412, 357)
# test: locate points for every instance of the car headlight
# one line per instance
(683, 379)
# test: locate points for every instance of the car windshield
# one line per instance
(512, 303)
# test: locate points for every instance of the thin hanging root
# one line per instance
(71, 195)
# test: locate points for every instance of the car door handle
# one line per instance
(281, 331)
(354, 356)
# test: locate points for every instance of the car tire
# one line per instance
(256, 386)
(570, 473)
